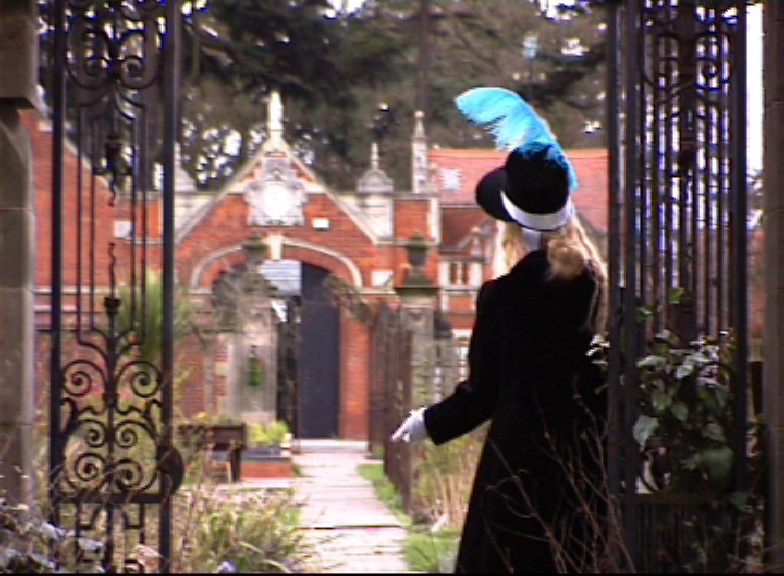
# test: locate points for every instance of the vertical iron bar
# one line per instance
(655, 167)
(78, 219)
(739, 251)
(55, 302)
(721, 152)
(642, 181)
(629, 305)
(668, 121)
(614, 245)
(170, 131)
(709, 156)
(686, 36)
(91, 307)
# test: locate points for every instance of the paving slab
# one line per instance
(351, 530)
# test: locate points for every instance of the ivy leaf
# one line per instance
(680, 411)
(710, 401)
(661, 401)
(599, 340)
(653, 362)
(715, 432)
(664, 336)
(718, 463)
(644, 428)
(739, 500)
(692, 462)
(644, 313)
(684, 370)
(721, 397)
(699, 357)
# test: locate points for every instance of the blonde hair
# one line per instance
(569, 252)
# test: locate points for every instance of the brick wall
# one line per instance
(77, 208)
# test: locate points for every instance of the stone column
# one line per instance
(773, 339)
(259, 337)
(417, 301)
(18, 53)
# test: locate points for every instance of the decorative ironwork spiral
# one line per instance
(114, 46)
(142, 377)
(82, 377)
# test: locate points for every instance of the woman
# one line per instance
(533, 504)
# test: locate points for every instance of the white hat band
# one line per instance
(541, 222)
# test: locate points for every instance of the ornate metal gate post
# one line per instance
(677, 219)
(113, 467)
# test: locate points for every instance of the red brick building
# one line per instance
(358, 236)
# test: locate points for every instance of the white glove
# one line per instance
(412, 429)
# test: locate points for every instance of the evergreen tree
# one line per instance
(476, 42)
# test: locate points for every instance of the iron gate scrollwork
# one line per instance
(113, 468)
(678, 217)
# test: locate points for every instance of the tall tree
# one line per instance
(476, 42)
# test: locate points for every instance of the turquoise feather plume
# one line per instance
(514, 124)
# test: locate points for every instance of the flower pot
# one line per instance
(262, 452)
(417, 252)
(266, 462)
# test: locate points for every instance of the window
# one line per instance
(454, 268)
(450, 179)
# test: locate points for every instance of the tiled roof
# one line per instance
(456, 172)
(457, 222)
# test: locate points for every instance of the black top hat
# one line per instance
(532, 189)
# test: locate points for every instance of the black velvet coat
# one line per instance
(528, 372)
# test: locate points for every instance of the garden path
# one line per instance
(352, 530)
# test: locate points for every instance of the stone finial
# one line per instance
(375, 180)
(374, 156)
(419, 125)
(419, 170)
(275, 120)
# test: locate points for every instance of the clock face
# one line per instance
(276, 200)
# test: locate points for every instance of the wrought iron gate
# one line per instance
(391, 396)
(677, 235)
(113, 468)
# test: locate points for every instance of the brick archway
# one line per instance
(204, 272)
(354, 339)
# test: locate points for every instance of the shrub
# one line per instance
(254, 531)
(212, 527)
(273, 434)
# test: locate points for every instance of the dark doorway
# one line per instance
(319, 357)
